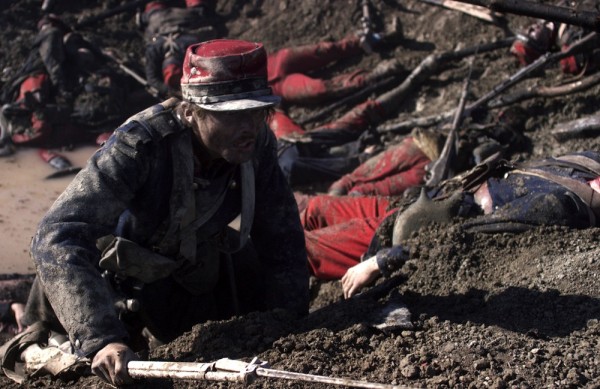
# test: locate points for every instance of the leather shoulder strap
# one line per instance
(582, 160)
(576, 162)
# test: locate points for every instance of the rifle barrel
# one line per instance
(441, 167)
(263, 372)
(132, 73)
(552, 13)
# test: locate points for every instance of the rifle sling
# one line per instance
(582, 160)
(247, 214)
(579, 163)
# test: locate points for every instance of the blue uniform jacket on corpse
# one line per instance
(522, 201)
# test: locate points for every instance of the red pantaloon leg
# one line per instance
(338, 231)
(283, 125)
(389, 173)
(287, 67)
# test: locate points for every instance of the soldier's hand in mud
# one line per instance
(359, 276)
(110, 364)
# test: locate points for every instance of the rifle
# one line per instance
(586, 19)
(579, 46)
(110, 12)
(129, 71)
(440, 169)
(534, 91)
(230, 370)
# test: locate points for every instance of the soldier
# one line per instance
(405, 165)
(65, 94)
(150, 214)
(543, 36)
(168, 31)
(290, 74)
(342, 238)
(291, 69)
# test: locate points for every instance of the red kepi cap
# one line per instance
(227, 75)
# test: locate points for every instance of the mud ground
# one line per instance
(500, 311)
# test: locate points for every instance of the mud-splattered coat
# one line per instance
(135, 186)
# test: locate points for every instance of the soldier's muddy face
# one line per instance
(231, 135)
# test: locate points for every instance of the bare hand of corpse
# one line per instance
(359, 276)
(18, 310)
(110, 363)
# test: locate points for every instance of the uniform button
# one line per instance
(195, 186)
(233, 185)
(77, 343)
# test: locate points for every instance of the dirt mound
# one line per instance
(497, 311)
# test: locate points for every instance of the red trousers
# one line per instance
(338, 231)
(283, 125)
(37, 130)
(287, 67)
(389, 173)
(34, 129)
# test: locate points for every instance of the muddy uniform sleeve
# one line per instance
(278, 235)
(64, 247)
(391, 259)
